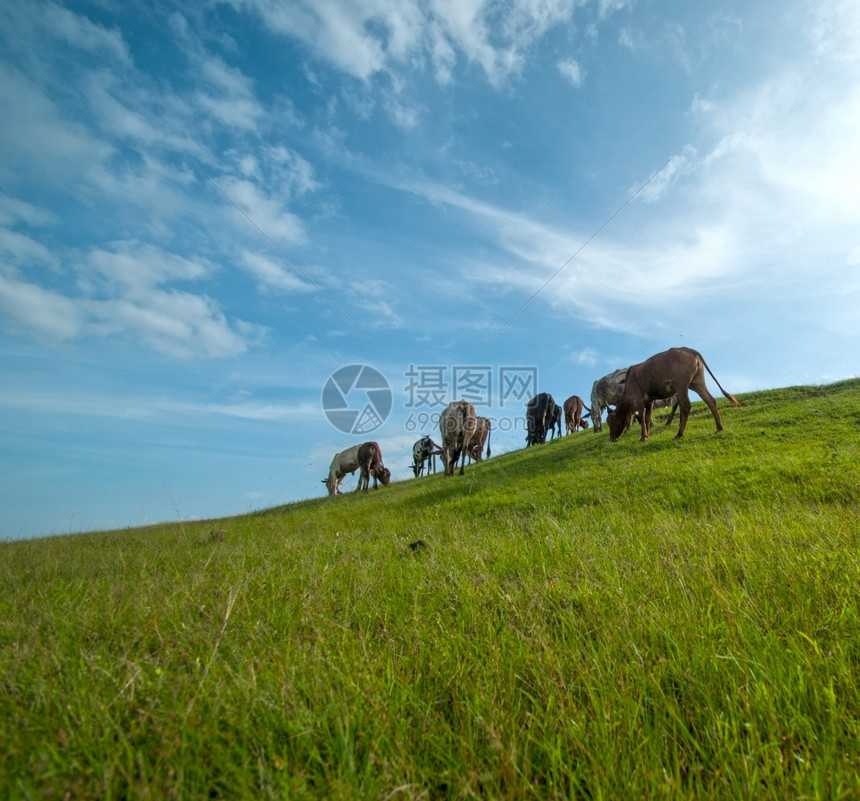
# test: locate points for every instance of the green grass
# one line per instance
(591, 620)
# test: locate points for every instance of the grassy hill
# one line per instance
(590, 620)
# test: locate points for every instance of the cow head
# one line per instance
(617, 423)
(329, 485)
(383, 474)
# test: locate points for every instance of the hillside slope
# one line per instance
(669, 619)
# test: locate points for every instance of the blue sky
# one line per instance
(208, 209)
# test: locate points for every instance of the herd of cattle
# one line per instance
(633, 392)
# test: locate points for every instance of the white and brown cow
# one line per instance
(366, 457)
(606, 392)
(475, 446)
(675, 371)
(457, 424)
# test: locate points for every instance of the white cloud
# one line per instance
(272, 274)
(366, 37)
(126, 291)
(13, 210)
(177, 324)
(135, 267)
(659, 184)
(41, 137)
(375, 298)
(129, 293)
(229, 97)
(608, 7)
(335, 30)
(80, 32)
(164, 409)
(586, 357)
(263, 211)
(18, 250)
(45, 315)
(571, 70)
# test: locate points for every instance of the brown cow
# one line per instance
(475, 447)
(676, 370)
(370, 464)
(540, 410)
(573, 419)
(457, 423)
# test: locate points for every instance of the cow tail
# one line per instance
(489, 434)
(732, 398)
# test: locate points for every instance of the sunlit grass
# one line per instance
(595, 620)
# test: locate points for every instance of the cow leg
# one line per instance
(702, 391)
(674, 409)
(684, 405)
(643, 420)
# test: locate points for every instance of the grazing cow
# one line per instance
(475, 446)
(573, 419)
(606, 392)
(457, 424)
(370, 464)
(424, 450)
(366, 456)
(540, 411)
(676, 370)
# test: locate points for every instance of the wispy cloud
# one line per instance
(164, 410)
(367, 37)
(571, 70)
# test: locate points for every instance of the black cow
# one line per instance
(540, 412)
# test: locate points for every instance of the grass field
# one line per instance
(677, 619)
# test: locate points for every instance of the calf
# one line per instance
(481, 436)
(424, 450)
(573, 419)
(370, 464)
